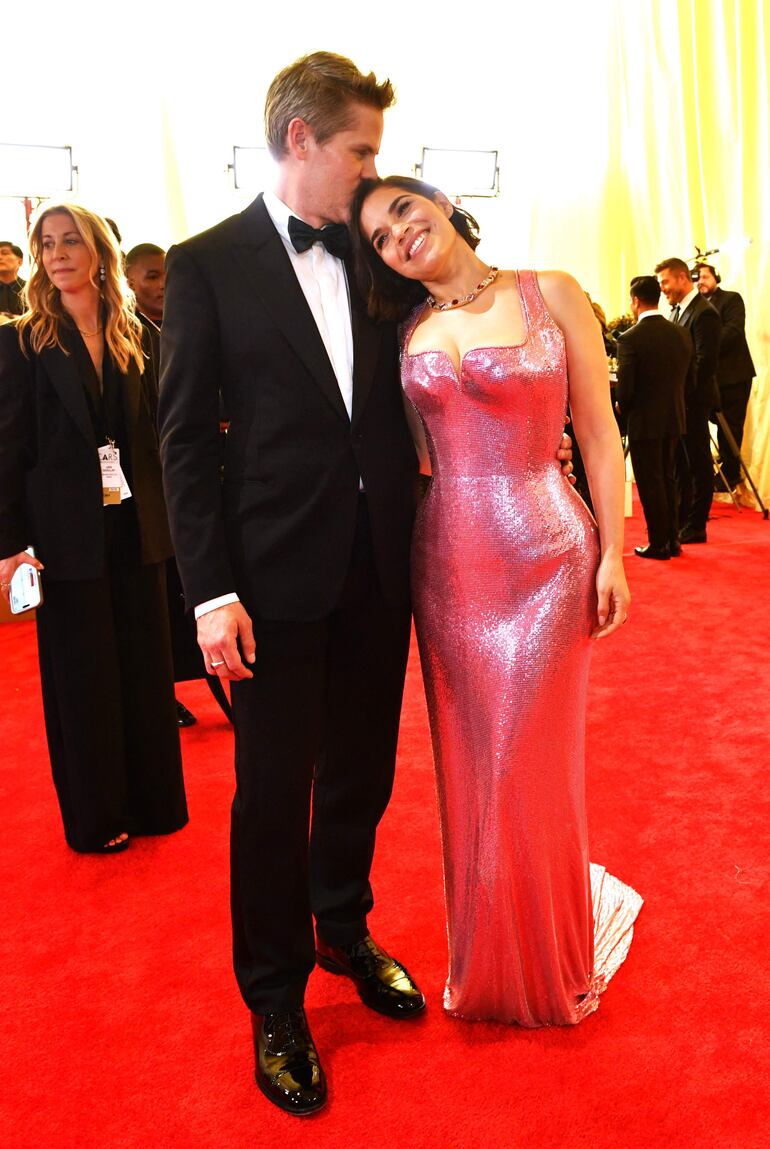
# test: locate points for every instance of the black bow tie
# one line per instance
(335, 237)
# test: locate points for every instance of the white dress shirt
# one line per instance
(325, 287)
(685, 303)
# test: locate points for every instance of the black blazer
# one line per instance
(654, 359)
(704, 324)
(735, 362)
(279, 529)
(50, 480)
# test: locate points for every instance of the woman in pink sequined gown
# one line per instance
(511, 580)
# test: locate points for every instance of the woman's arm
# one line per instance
(597, 434)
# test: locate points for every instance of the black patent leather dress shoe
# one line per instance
(382, 982)
(287, 1067)
(184, 717)
(675, 549)
(651, 552)
(690, 536)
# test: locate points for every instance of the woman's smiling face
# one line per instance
(410, 233)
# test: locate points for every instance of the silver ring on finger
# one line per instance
(218, 663)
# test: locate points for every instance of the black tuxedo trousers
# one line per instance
(316, 732)
(653, 461)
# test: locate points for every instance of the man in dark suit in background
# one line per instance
(695, 467)
(735, 370)
(145, 270)
(11, 258)
(654, 360)
(146, 275)
(145, 267)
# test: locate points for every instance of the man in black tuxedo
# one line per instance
(297, 562)
(654, 360)
(695, 468)
(735, 370)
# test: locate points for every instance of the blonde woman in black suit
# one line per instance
(75, 379)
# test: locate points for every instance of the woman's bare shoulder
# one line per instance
(564, 297)
(559, 285)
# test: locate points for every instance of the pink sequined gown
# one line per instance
(504, 561)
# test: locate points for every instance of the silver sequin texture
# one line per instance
(504, 562)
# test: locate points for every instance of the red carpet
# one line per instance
(122, 1026)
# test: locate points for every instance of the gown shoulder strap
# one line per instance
(537, 314)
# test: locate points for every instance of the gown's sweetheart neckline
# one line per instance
(473, 350)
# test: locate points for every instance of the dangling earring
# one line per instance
(102, 273)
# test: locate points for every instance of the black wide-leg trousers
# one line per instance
(316, 730)
(108, 699)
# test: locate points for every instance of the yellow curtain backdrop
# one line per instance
(653, 139)
(696, 165)
(626, 133)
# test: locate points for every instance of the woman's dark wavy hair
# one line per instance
(388, 295)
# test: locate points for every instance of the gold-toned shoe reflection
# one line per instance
(382, 982)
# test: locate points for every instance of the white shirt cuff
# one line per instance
(213, 603)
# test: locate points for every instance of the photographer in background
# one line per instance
(735, 369)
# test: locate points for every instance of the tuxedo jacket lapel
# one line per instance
(263, 258)
(367, 336)
(687, 317)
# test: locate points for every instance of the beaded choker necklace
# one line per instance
(450, 304)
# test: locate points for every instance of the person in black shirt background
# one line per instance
(11, 257)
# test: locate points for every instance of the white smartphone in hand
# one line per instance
(25, 591)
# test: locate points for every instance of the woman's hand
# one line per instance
(8, 568)
(613, 595)
(564, 455)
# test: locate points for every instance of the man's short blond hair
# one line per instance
(321, 89)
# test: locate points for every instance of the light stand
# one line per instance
(739, 458)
